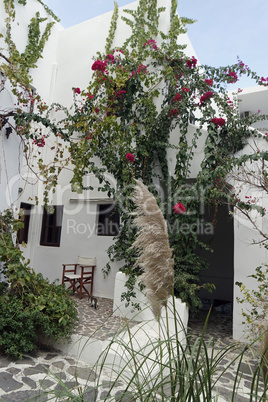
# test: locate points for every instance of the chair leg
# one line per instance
(80, 291)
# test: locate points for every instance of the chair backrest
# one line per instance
(87, 261)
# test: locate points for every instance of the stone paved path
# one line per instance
(99, 323)
(219, 328)
(31, 378)
(49, 370)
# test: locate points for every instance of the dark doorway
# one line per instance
(221, 260)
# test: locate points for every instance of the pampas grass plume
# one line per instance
(154, 252)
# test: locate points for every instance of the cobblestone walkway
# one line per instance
(219, 327)
(98, 323)
(30, 378)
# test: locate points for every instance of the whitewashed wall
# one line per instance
(248, 251)
(76, 47)
(67, 63)
(11, 162)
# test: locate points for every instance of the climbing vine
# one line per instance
(17, 65)
(145, 99)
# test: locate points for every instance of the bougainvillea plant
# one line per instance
(138, 96)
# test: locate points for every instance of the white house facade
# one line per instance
(66, 63)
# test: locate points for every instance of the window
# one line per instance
(192, 118)
(51, 226)
(244, 115)
(22, 234)
(108, 220)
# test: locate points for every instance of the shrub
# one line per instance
(257, 299)
(24, 321)
(32, 307)
(17, 327)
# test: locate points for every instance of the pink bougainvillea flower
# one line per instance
(96, 110)
(218, 121)
(177, 98)
(99, 65)
(90, 96)
(184, 89)
(130, 157)
(120, 93)
(141, 69)
(264, 81)
(179, 208)
(191, 63)
(152, 43)
(173, 112)
(19, 130)
(206, 96)
(188, 63)
(77, 91)
(232, 77)
(110, 57)
(209, 82)
(243, 66)
(40, 142)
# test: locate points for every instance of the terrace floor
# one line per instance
(102, 324)
(29, 378)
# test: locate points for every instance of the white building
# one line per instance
(67, 63)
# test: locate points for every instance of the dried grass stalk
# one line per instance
(264, 352)
(154, 252)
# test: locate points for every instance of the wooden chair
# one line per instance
(80, 275)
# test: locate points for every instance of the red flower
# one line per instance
(264, 81)
(206, 96)
(151, 42)
(77, 91)
(209, 82)
(191, 62)
(99, 65)
(110, 57)
(232, 77)
(90, 96)
(173, 112)
(177, 98)
(120, 93)
(184, 89)
(40, 142)
(97, 110)
(179, 208)
(130, 157)
(218, 121)
(141, 69)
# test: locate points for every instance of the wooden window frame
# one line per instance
(53, 225)
(22, 234)
(108, 219)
